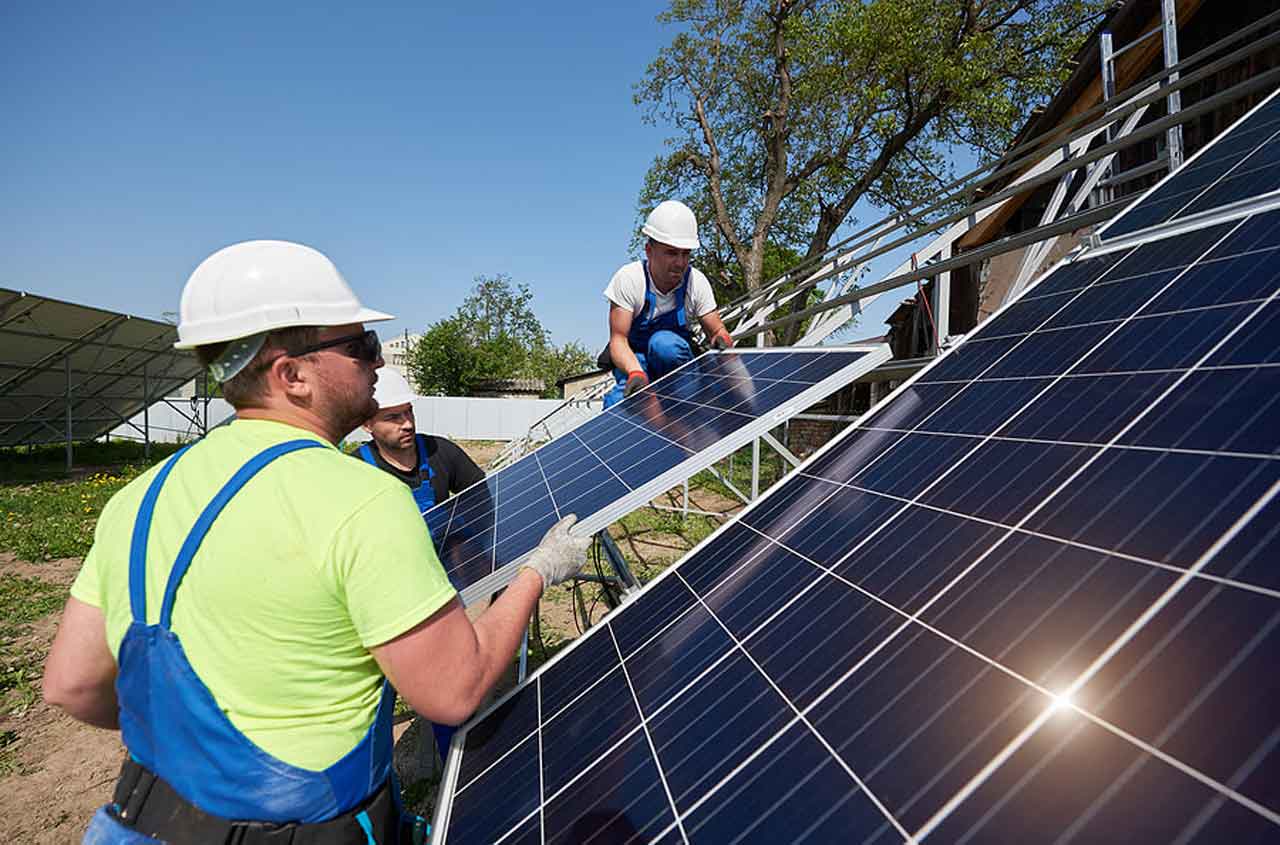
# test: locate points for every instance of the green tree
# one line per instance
(788, 113)
(494, 334)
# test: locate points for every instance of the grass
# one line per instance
(52, 519)
(22, 601)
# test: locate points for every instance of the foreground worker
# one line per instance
(433, 467)
(650, 302)
(247, 604)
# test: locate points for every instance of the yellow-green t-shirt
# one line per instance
(314, 561)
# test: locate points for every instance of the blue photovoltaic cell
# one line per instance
(626, 450)
(1032, 598)
(1242, 164)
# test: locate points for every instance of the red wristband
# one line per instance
(640, 373)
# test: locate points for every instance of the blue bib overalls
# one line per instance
(172, 725)
(424, 494)
(661, 343)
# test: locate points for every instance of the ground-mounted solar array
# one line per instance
(1034, 597)
(621, 459)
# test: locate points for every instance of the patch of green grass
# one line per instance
(22, 600)
(8, 760)
(27, 599)
(53, 519)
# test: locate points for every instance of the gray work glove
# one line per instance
(560, 554)
(636, 381)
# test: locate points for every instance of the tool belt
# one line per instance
(146, 803)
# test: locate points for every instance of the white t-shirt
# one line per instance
(626, 290)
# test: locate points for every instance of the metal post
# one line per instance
(1108, 91)
(146, 416)
(755, 468)
(524, 655)
(942, 305)
(66, 366)
(685, 511)
(1170, 20)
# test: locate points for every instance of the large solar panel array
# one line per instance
(621, 459)
(1034, 597)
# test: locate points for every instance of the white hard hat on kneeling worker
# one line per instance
(674, 224)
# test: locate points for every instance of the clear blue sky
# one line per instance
(418, 145)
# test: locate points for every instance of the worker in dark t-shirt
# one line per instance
(433, 467)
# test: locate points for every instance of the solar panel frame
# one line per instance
(870, 356)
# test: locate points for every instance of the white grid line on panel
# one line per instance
(542, 789)
(1156, 606)
(1119, 280)
(653, 750)
(1056, 701)
(493, 550)
(1151, 315)
(1119, 783)
(800, 716)
(601, 461)
(1215, 803)
(1154, 371)
(1118, 555)
(547, 484)
(1080, 444)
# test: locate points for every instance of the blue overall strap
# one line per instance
(366, 452)
(424, 465)
(211, 511)
(138, 546)
(651, 299)
(682, 294)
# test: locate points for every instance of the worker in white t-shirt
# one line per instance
(651, 301)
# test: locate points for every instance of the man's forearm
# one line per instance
(500, 627)
(622, 355)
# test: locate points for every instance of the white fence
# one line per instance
(457, 418)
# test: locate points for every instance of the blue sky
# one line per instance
(418, 145)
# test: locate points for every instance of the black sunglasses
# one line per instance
(363, 347)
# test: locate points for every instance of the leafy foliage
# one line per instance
(788, 113)
(494, 334)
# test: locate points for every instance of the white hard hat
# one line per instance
(672, 223)
(254, 287)
(392, 389)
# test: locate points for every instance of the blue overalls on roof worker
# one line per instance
(247, 604)
(650, 302)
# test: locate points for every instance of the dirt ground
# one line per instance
(61, 771)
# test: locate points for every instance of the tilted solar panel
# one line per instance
(1033, 597)
(617, 461)
(1239, 166)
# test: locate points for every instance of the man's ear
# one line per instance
(367, 427)
(289, 378)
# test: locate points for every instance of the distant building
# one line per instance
(395, 351)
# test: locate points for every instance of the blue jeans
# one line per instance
(665, 352)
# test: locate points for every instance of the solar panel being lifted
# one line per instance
(621, 459)
(1031, 598)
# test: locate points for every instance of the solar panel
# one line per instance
(1239, 165)
(621, 459)
(1032, 597)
